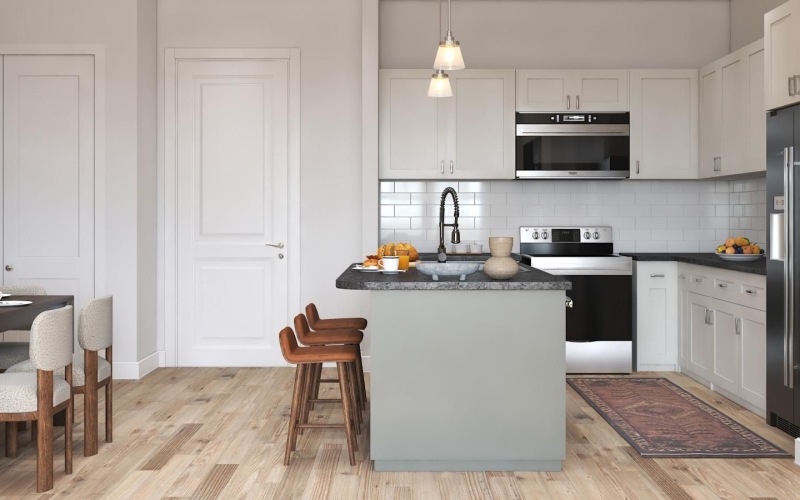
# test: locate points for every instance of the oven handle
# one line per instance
(568, 303)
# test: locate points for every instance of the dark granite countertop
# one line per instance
(704, 259)
(533, 279)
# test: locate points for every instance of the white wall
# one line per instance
(559, 33)
(747, 20)
(328, 34)
(114, 25)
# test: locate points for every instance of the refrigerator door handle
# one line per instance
(790, 265)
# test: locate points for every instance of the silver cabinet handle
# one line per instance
(656, 275)
(710, 317)
(792, 86)
(276, 245)
(751, 292)
(795, 79)
(637, 167)
(698, 280)
(577, 102)
(567, 102)
(706, 318)
(451, 166)
(722, 285)
(9, 267)
(737, 324)
(442, 167)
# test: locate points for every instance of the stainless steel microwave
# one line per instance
(571, 146)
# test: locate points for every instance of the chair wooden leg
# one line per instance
(90, 403)
(11, 439)
(293, 415)
(44, 437)
(346, 411)
(109, 399)
(68, 436)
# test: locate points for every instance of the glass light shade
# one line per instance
(440, 85)
(448, 57)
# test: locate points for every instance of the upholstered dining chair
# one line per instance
(91, 372)
(38, 396)
(16, 350)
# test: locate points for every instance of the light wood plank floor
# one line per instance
(220, 433)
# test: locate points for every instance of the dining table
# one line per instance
(21, 317)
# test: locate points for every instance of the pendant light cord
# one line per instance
(439, 28)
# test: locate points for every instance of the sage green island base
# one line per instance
(467, 380)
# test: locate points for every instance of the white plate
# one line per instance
(14, 303)
(368, 269)
(384, 271)
(739, 257)
(4, 295)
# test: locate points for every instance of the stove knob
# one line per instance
(596, 235)
(586, 235)
(544, 235)
(536, 235)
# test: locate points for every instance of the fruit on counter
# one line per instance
(739, 245)
(389, 248)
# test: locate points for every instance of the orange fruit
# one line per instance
(730, 250)
(729, 242)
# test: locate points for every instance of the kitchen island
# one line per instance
(465, 375)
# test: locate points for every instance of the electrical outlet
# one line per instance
(778, 203)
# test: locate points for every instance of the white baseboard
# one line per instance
(365, 362)
(134, 370)
(797, 451)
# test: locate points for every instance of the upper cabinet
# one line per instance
(664, 124)
(732, 116)
(467, 136)
(782, 55)
(572, 90)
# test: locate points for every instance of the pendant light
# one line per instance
(448, 57)
(440, 85)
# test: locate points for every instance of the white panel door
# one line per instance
(701, 335)
(545, 90)
(710, 120)
(232, 184)
(601, 90)
(782, 55)
(726, 346)
(48, 173)
(753, 361)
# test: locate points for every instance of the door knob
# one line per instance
(9, 267)
(279, 245)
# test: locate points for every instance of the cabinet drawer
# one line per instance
(701, 283)
(752, 296)
(726, 290)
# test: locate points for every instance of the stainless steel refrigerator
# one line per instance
(783, 315)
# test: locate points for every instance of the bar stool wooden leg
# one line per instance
(109, 391)
(362, 386)
(346, 411)
(291, 436)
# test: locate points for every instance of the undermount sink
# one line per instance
(436, 269)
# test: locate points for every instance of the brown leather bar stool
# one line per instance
(321, 325)
(332, 337)
(305, 358)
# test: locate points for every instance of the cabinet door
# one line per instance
(600, 90)
(757, 117)
(701, 335)
(545, 90)
(480, 125)
(412, 141)
(663, 124)
(656, 316)
(726, 346)
(753, 367)
(710, 120)
(782, 55)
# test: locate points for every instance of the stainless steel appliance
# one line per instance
(783, 384)
(570, 145)
(600, 304)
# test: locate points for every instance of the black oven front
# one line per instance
(569, 145)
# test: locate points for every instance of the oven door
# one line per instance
(602, 308)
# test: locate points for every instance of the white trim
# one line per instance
(797, 451)
(167, 239)
(99, 53)
(134, 370)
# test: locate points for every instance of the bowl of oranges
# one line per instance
(739, 249)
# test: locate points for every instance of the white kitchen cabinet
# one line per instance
(723, 332)
(732, 120)
(664, 124)
(467, 136)
(572, 90)
(657, 316)
(782, 55)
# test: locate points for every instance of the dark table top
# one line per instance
(21, 317)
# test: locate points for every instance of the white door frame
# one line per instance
(98, 51)
(168, 241)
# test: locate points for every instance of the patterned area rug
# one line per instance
(660, 420)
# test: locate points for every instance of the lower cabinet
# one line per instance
(656, 316)
(723, 339)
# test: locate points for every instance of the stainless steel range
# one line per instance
(600, 304)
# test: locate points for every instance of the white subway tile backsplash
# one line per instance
(646, 215)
